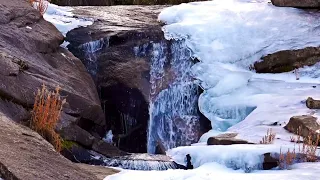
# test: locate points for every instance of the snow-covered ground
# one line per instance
(63, 19)
(228, 36)
(215, 171)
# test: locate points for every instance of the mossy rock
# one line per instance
(68, 144)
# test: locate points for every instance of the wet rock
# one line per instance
(100, 172)
(118, 53)
(107, 50)
(297, 3)
(288, 60)
(269, 161)
(107, 149)
(304, 125)
(145, 162)
(76, 153)
(312, 104)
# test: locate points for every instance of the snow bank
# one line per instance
(230, 35)
(214, 171)
(63, 19)
(242, 156)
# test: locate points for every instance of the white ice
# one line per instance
(63, 19)
(215, 171)
(228, 36)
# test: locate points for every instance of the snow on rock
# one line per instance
(228, 36)
(63, 19)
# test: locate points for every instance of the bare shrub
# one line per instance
(46, 114)
(287, 159)
(269, 138)
(40, 5)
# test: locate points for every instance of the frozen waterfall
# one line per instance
(230, 35)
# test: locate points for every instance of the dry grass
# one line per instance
(40, 5)
(46, 114)
(269, 138)
(287, 159)
(307, 150)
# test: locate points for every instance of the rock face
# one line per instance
(30, 55)
(123, 51)
(226, 139)
(25, 155)
(288, 60)
(312, 104)
(269, 162)
(297, 3)
(304, 125)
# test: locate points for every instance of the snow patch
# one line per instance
(63, 18)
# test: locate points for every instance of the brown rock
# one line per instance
(269, 162)
(83, 2)
(25, 155)
(107, 149)
(312, 104)
(75, 133)
(225, 141)
(288, 60)
(308, 126)
(297, 3)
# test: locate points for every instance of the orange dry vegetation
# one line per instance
(287, 159)
(40, 5)
(46, 114)
(269, 138)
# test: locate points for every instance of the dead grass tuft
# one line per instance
(40, 5)
(46, 114)
(269, 138)
(287, 159)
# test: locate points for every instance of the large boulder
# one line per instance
(30, 55)
(312, 104)
(25, 155)
(297, 3)
(288, 60)
(304, 126)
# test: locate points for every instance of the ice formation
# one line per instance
(230, 35)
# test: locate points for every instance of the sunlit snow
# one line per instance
(63, 19)
(230, 35)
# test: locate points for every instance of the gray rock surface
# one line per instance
(25, 155)
(297, 3)
(30, 55)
